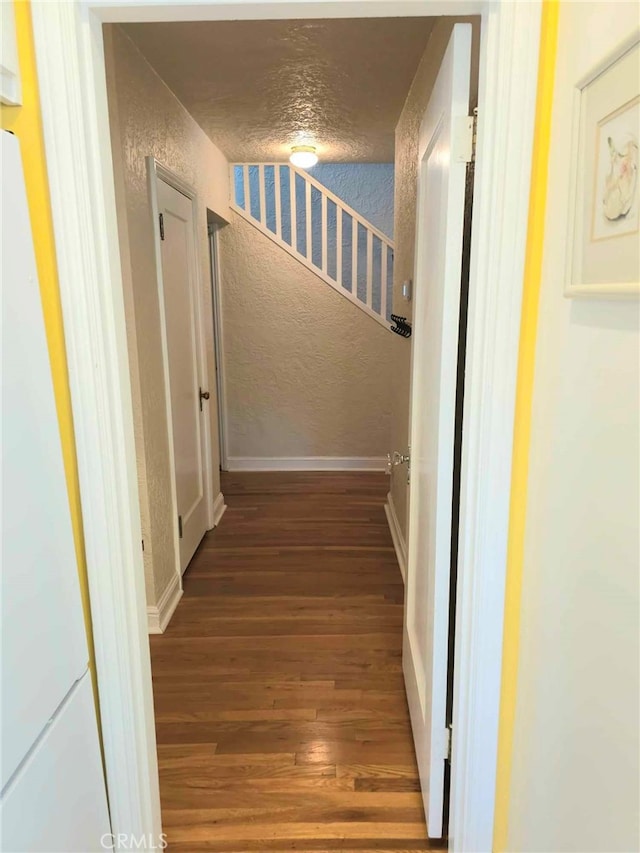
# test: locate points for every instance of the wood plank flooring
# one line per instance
(281, 716)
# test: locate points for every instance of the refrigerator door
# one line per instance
(56, 802)
(44, 646)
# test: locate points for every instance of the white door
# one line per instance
(188, 394)
(445, 147)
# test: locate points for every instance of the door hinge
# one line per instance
(475, 135)
(142, 544)
(399, 459)
(180, 526)
(462, 139)
(161, 220)
(448, 737)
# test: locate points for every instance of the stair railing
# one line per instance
(320, 230)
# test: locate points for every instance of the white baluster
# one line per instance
(383, 279)
(324, 229)
(307, 205)
(278, 203)
(294, 215)
(354, 256)
(261, 189)
(247, 194)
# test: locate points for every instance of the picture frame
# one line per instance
(603, 240)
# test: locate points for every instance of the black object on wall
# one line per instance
(401, 327)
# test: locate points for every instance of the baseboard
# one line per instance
(219, 507)
(158, 615)
(397, 536)
(306, 463)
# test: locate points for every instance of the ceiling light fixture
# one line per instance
(303, 156)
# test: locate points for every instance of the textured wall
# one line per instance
(146, 119)
(308, 373)
(406, 191)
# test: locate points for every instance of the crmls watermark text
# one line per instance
(126, 841)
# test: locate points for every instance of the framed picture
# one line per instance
(603, 249)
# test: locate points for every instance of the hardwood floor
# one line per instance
(281, 717)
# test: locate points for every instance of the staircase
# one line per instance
(319, 230)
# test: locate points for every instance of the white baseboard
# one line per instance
(219, 507)
(158, 615)
(397, 535)
(306, 463)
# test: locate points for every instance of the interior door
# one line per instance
(445, 148)
(184, 366)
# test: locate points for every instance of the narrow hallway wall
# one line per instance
(147, 119)
(308, 373)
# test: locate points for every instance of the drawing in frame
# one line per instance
(603, 246)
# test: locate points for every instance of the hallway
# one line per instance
(280, 709)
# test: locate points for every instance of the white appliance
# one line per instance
(52, 785)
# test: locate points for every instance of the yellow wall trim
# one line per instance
(522, 434)
(26, 122)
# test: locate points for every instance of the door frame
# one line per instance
(157, 172)
(71, 71)
(218, 340)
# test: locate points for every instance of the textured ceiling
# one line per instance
(259, 87)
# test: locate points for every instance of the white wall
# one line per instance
(575, 777)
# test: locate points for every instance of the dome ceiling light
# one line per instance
(303, 156)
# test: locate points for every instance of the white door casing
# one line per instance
(218, 338)
(443, 156)
(70, 56)
(184, 365)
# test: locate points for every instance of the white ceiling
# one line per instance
(258, 87)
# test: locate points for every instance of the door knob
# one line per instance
(204, 395)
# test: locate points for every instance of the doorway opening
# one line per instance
(292, 345)
(296, 326)
(55, 29)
